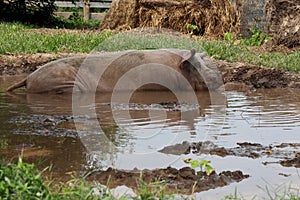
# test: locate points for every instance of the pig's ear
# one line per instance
(186, 59)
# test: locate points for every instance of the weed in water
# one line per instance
(152, 191)
(281, 192)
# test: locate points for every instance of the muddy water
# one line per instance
(42, 129)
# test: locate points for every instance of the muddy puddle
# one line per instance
(253, 141)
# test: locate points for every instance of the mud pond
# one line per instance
(257, 133)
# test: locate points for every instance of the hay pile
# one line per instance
(121, 15)
(283, 21)
(213, 17)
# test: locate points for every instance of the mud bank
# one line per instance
(242, 76)
(12, 64)
(285, 154)
(236, 76)
(184, 180)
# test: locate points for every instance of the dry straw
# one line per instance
(213, 17)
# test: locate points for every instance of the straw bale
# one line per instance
(213, 17)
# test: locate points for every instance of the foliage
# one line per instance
(21, 181)
(17, 38)
(203, 165)
(152, 191)
(30, 11)
(228, 37)
(257, 38)
(75, 21)
(234, 196)
(79, 189)
(281, 191)
(192, 29)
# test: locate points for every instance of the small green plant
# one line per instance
(202, 164)
(228, 36)
(257, 38)
(192, 29)
(152, 191)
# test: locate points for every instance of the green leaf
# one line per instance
(208, 169)
(195, 164)
(204, 162)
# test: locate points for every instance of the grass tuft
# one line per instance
(19, 38)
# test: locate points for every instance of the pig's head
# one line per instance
(200, 74)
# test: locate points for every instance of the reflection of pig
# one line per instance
(63, 75)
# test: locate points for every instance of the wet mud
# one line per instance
(293, 162)
(45, 125)
(184, 180)
(15, 64)
(286, 154)
(244, 76)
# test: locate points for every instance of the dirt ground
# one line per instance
(236, 76)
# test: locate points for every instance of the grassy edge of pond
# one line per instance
(18, 38)
(23, 180)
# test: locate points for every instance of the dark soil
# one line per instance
(12, 64)
(294, 162)
(46, 125)
(184, 180)
(251, 76)
(236, 76)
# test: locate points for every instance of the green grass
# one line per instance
(221, 50)
(22, 180)
(18, 38)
